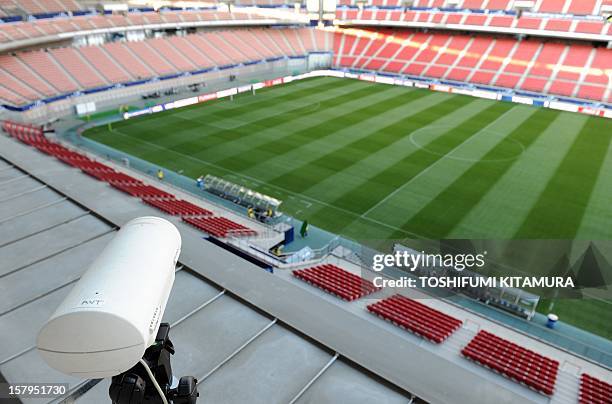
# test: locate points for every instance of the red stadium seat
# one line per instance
(509, 359)
(594, 391)
(176, 207)
(416, 317)
(336, 281)
(219, 226)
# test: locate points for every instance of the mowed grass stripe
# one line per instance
(253, 145)
(163, 123)
(336, 185)
(324, 190)
(404, 170)
(323, 129)
(198, 110)
(263, 96)
(311, 173)
(561, 206)
(598, 216)
(205, 140)
(440, 216)
(306, 102)
(518, 190)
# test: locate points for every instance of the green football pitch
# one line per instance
(373, 161)
(382, 162)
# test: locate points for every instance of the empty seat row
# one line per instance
(575, 70)
(177, 207)
(594, 391)
(220, 226)
(140, 190)
(513, 361)
(468, 20)
(40, 74)
(573, 7)
(336, 281)
(416, 317)
(39, 6)
(21, 30)
(198, 217)
(14, 129)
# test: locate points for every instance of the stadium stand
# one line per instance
(139, 190)
(38, 74)
(198, 217)
(39, 6)
(416, 317)
(219, 226)
(336, 281)
(536, 24)
(531, 65)
(79, 25)
(513, 361)
(516, 362)
(574, 7)
(177, 207)
(594, 391)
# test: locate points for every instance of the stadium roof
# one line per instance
(48, 240)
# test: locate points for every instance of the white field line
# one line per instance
(240, 175)
(426, 170)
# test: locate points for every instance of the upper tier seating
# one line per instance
(15, 31)
(531, 65)
(196, 216)
(40, 74)
(469, 21)
(575, 7)
(337, 281)
(38, 6)
(513, 361)
(594, 391)
(416, 317)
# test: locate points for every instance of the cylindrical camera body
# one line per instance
(112, 314)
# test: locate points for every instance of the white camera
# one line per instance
(113, 313)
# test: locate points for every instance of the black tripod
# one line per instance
(135, 386)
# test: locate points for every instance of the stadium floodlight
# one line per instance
(109, 325)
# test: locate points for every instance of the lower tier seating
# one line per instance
(336, 281)
(140, 190)
(219, 226)
(198, 217)
(511, 360)
(31, 75)
(416, 317)
(14, 129)
(177, 207)
(114, 177)
(567, 70)
(594, 391)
